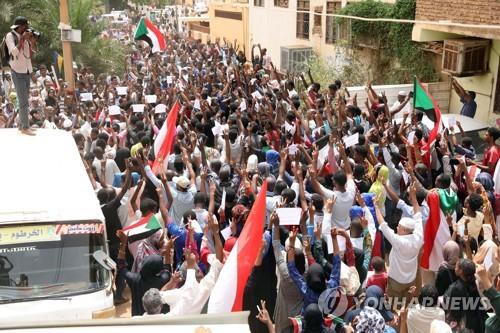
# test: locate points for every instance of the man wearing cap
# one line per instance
(406, 244)
(20, 51)
(401, 106)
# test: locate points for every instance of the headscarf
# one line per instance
(313, 319)
(315, 278)
(378, 186)
(273, 159)
(264, 169)
(483, 250)
(370, 321)
(374, 300)
(147, 247)
(356, 211)
(240, 214)
(451, 254)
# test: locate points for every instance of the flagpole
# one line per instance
(55, 77)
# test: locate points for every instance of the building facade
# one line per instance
(470, 48)
(274, 24)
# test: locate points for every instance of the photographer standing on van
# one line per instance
(21, 44)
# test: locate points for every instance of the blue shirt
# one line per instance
(469, 108)
(310, 296)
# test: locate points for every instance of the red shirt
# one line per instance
(379, 280)
(491, 155)
(273, 139)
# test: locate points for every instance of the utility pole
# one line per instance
(66, 46)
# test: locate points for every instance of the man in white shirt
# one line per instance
(104, 166)
(406, 245)
(44, 76)
(19, 43)
(192, 296)
(401, 106)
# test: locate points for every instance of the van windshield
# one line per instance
(50, 260)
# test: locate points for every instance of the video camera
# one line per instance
(35, 33)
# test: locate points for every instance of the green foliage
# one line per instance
(352, 73)
(99, 54)
(400, 58)
(369, 9)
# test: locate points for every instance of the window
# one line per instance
(303, 19)
(228, 15)
(258, 3)
(281, 3)
(344, 30)
(318, 12)
(332, 7)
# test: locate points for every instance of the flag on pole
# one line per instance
(424, 101)
(227, 295)
(165, 138)
(441, 202)
(58, 61)
(143, 228)
(149, 33)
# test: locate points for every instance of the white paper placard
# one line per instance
(351, 140)
(256, 94)
(411, 137)
(150, 98)
(121, 91)
(292, 149)
(138, 107)
(452, 122)
(226, 232)
(223, 199)
(86, 129)
(114, 110)
(86, 97)
(322, 155)
(197, 104)
(243, 105)
(487, 232)
(488, 259)
(289, 216)
(170, 79)
(160, 108)
(461, 229)
(340, 242)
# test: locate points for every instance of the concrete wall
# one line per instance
(484, 86)
(439, 90)
(463, 11)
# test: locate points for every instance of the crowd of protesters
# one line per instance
(365, 205)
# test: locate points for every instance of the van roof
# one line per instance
(43, 179)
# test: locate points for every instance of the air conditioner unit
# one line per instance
(466, 57)
(293, 58)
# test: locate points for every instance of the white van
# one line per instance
(53, 262)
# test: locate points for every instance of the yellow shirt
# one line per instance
(135, 148)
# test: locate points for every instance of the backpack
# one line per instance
(5, 55)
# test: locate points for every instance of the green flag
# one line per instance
(421, 100)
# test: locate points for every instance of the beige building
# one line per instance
(470, 54)
(301, 25)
